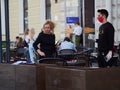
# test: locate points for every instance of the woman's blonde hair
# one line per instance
(31, 33)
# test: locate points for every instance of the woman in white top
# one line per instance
(30, 40)
(26, 45)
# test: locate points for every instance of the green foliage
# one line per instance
(3, 44)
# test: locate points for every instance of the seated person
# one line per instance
(20, 50)
(67, 44)
(20, 43)
(17, 40)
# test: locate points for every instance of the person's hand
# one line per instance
(91, 37)
(108, 56)
(57, 46)
(41, 53)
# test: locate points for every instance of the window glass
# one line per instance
(48, 9)
(25, 14)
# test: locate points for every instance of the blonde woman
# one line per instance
(30, 40)
(46, 40)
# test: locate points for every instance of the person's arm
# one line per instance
(110, 42)
(111, 37)
(35, 45)
(40, 52)
(37, 41)
(96, 40)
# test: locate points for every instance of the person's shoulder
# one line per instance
(71, 43)
(78, 27)
(52, 34)
(108, 23)
(63, 42)
(41, 33)
(27, 36)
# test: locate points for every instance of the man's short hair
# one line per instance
(67, 39)
(103, 12)
(17, 37)
(77, 23)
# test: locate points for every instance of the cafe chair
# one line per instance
(20, 54)
(66, 54)
(73, 58)
(50, 60)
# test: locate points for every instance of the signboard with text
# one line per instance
(72, 19)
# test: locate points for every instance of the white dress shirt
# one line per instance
(77, 30)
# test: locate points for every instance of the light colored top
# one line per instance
(30, 42)
(77, 30)
(67, 45)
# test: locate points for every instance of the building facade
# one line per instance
(33, 14)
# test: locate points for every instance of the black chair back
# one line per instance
(50, 60)
(66, 54)
(66, 51)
